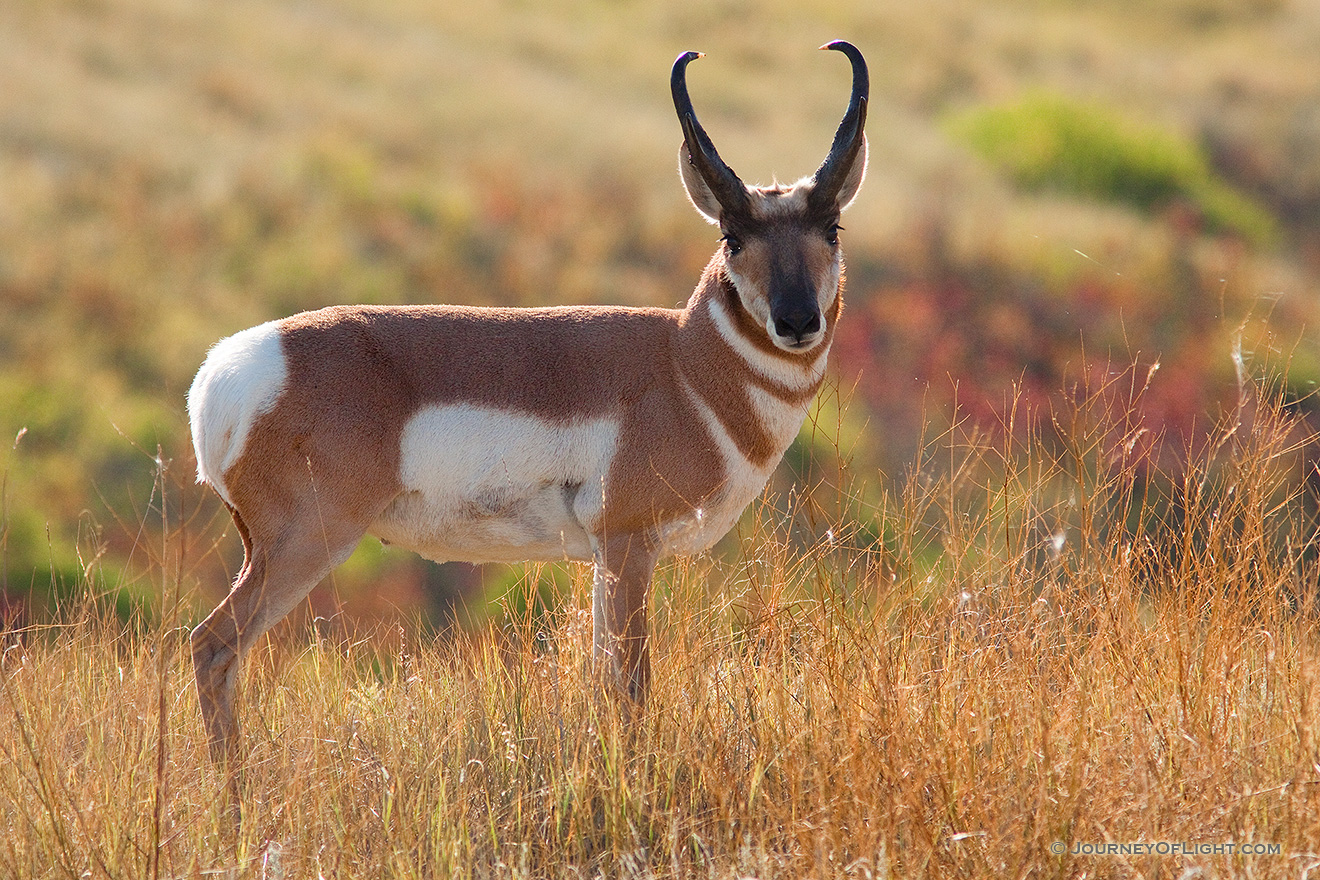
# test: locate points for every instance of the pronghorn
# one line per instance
(600, 433)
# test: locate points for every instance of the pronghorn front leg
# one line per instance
(624, 565)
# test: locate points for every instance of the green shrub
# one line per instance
(1049, 142)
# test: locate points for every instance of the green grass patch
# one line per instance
(1050, 142)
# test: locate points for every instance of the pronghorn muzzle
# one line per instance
(794, 310)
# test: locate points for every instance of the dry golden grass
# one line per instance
(1025, 642)
(173, 171)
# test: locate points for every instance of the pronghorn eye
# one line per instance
(732, 242)
(832, 235)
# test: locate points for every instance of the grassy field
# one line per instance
(1041, 572)
(1020, 648)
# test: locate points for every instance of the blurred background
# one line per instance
(1060, 192)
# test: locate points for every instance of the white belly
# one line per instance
(486, 485)
(535, 523)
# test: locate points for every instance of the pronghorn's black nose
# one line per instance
(797, 324)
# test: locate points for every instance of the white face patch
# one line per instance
(484, 484)
(239, 381)
(752, 299)
(829, 289)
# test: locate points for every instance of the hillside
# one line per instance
(172, 171)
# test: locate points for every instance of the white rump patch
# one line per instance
(240, 380)
(490, 485)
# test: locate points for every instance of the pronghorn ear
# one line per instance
(703, 199)
(853, 181)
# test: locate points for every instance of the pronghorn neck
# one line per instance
(758, 393)
(715, 323)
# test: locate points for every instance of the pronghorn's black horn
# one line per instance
(727, 188)
(849, 139)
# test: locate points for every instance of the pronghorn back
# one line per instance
(599, 433)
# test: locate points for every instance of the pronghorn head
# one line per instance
(781, 243)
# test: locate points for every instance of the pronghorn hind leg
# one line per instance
(621, 588)
(278, 573)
